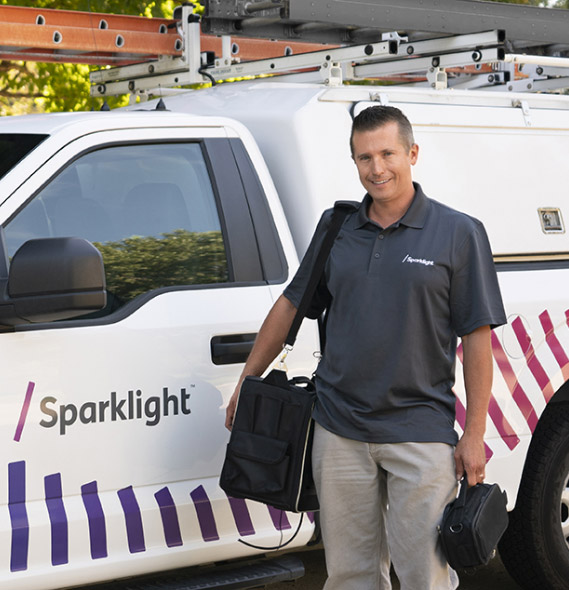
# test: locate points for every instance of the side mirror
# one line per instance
(53, 279)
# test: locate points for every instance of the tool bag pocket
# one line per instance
(255, 462)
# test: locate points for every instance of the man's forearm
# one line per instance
(478, 368)
(470, 455)
(271, 337)
(268, 344)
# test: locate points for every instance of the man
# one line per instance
(405, 277)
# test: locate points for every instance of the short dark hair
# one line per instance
(377, 116)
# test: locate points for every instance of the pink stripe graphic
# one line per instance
(24, 412)
(461, 419)
(518, 394)
(533, 362)
(504, 428)
(554, 344)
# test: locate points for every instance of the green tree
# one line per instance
(137, 264)
(32, 87)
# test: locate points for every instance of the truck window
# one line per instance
(14, 146)
(150, 210)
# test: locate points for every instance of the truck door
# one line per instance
(113, 423)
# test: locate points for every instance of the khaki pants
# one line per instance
(356, 483)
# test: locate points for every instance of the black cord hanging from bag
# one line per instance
(281, 545)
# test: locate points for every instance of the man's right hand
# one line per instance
(268, 344)
(230, 411)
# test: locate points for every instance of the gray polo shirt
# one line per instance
(398, 299)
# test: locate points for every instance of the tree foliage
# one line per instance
(137, 265)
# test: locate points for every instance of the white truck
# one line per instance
(141, 250)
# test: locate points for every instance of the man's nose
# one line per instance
(377, 166)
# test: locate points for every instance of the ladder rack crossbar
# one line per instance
(140, 70)
(142, 85)
(314, 59)
(452, 44)
(422, 64)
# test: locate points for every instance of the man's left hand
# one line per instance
(470, 459)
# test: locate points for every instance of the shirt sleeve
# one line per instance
(475, 296)
(297, 286)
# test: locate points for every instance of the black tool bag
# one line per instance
(268, 457)
(473, 524)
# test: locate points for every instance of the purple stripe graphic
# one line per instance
(96, 517)
(279, 518)
(58, 518)
(24, 412)
(205, 514)
(241, 516)
(310, 516)
(169, 518)
(133, 520)
(18, 516)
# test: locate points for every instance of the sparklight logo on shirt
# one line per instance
(134, 406)
(411, 260)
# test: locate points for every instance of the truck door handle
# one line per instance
(231, 348)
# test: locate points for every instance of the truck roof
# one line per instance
(94, 121)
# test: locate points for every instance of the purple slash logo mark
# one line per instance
(24, 412)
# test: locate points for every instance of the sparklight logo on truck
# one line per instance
(132, 407)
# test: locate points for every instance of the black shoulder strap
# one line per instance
(341, 210)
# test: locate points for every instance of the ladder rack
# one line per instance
(385, 58)
(472, 60)
(440, 43)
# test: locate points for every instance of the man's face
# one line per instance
(384, 163)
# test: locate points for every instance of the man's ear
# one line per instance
(414, 154)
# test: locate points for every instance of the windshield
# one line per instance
(15, 146)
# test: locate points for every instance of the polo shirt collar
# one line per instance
(414, 217)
